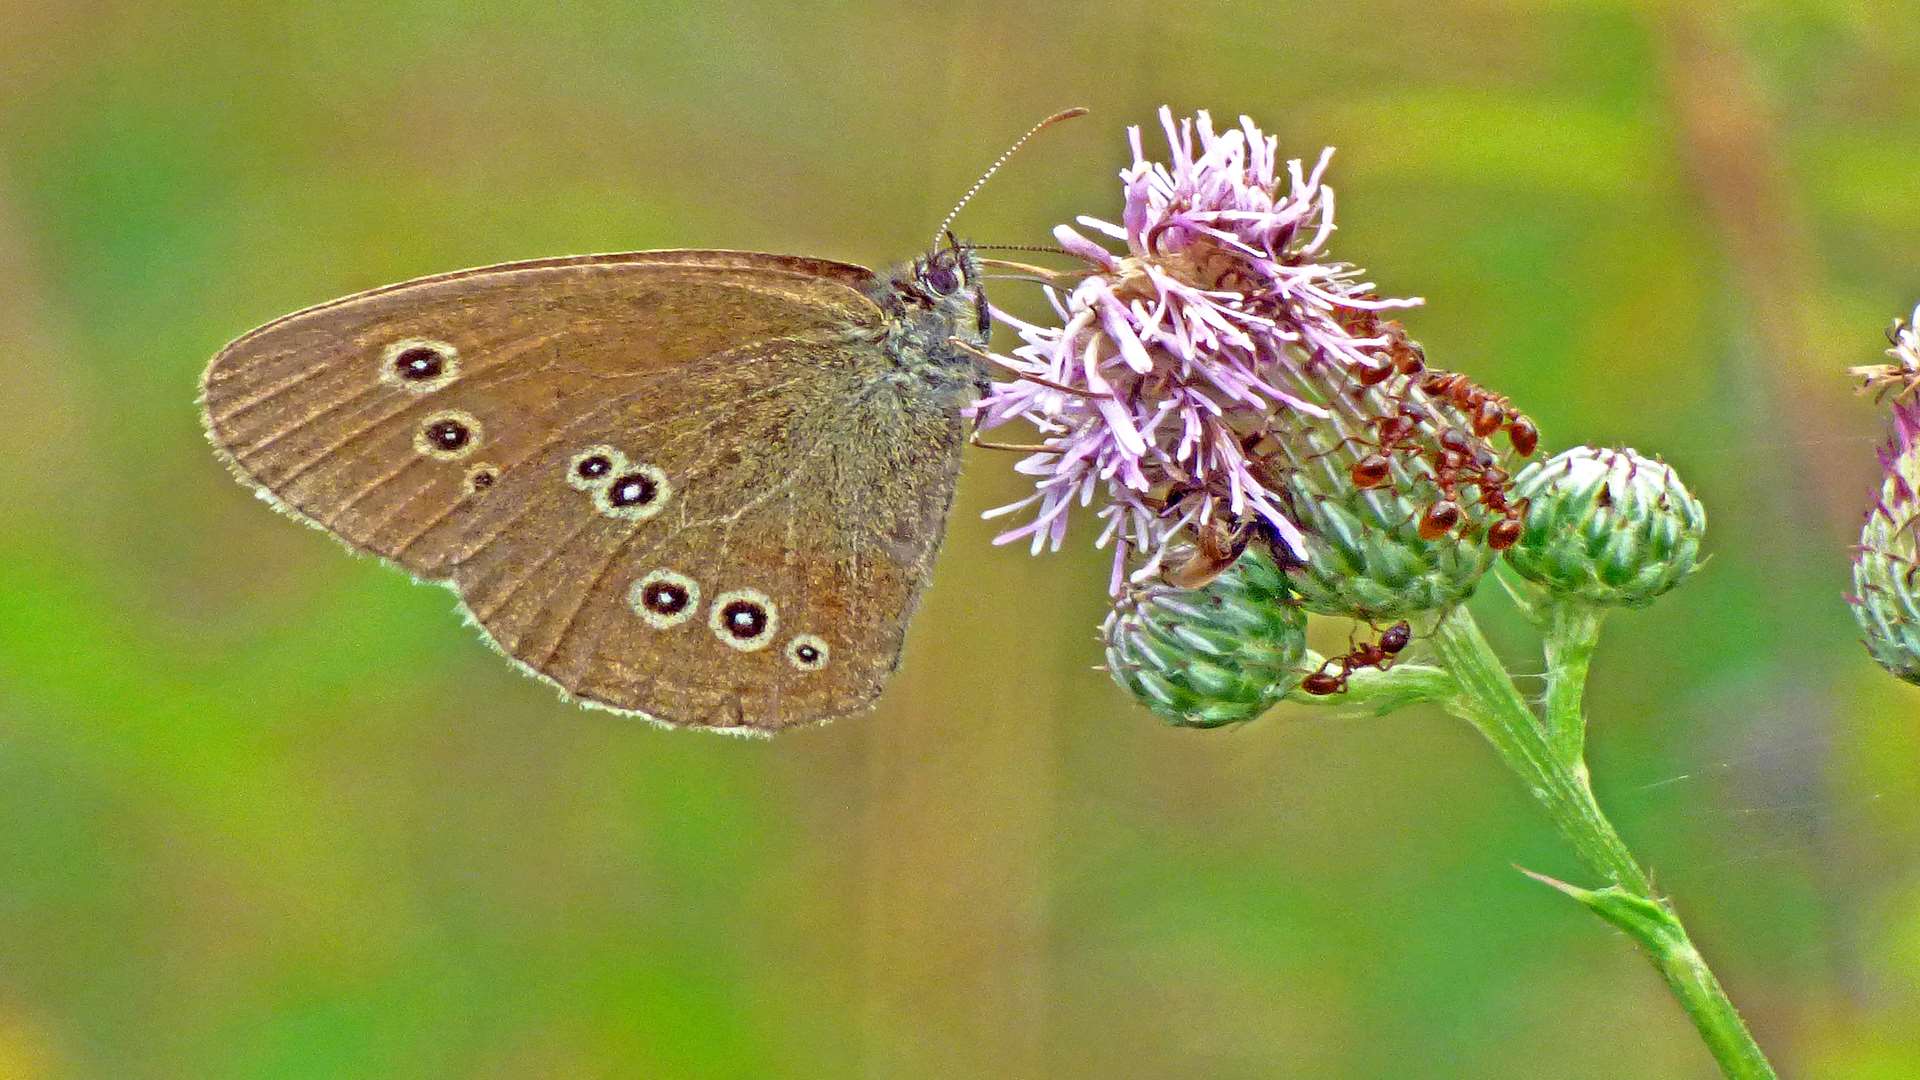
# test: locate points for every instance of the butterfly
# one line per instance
(702, 487)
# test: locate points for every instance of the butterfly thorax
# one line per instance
(937, 319)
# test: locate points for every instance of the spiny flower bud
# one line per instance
(1400, 492)
(1220, 654)
(1606, 526)
(1886, 601)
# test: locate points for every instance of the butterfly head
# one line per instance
(945, 288)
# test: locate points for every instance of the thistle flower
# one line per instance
(1168, 356)
(1886, 602)
(1606, 526)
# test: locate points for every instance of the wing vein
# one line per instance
(267, 395)
(474, 550)
(480, 382)
(518, 582)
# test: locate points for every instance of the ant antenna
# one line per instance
(1036, 129)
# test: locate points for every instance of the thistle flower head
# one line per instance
(1896, 456)
(1169, 354)
(1886, 564)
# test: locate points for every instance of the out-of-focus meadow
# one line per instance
(269, 811)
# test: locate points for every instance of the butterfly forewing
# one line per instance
(617, 461)
(314, 408)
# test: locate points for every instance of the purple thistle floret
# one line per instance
(1166, 356)
(1905, 354)
(1906, 433)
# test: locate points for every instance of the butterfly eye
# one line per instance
(743, 619)
(941, 278)
(594, 467)
(481, 477)
(638, 489)
(418, 364)
(448, 434)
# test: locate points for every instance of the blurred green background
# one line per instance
(268, 811)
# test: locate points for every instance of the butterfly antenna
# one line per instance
(1047, 248)
(1036, 129)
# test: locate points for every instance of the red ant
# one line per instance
(1439, 519)
(1486, 411)
(1368, 654)
(1404, 355)
(1403, 358)
(1459, 461)
(1392, 434)
(1407, 355)
(1504, 533)
(1482, 470)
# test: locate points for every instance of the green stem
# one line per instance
(1572, 631)
(1488, 699)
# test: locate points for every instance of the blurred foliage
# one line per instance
(266, 811)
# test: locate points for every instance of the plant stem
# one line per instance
(1572, 631)
(1488, 699)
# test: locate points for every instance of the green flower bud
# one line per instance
(1886, 601)
(1606, 526)
(1220, 654)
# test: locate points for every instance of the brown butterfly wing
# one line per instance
(804, 535)
(442, 424)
